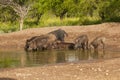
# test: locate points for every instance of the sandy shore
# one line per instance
(97, 70)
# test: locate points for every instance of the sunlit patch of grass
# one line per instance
(8, 27)
(58, 22)
(89, 20)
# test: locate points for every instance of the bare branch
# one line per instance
(21, 10)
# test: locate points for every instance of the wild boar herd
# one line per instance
(55, 40)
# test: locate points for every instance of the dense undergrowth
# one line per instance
(6, 27)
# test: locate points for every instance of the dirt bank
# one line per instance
(96, 70)
(111, 31)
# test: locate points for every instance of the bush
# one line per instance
(89, 21)
(113, 19)
(54, 21)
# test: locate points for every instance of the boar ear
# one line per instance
(27, 40)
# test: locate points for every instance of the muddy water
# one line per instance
(15, 58)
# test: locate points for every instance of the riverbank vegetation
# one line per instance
(16, 15)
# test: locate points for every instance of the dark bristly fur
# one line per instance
(97, 42)
(65, 45)
(60, 34)
(81, 42)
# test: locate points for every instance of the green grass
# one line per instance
(49, 21)
(8, 27)
(58, 22)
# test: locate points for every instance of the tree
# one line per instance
(63, 7)
(113, 11)
(102, 8)
(7, 14)
(39, 8)
(21, 7)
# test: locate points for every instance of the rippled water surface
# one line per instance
(16, 58)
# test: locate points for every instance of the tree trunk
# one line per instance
(102, 15)
(21, 24)
(62, 14)
(61, 17)
(38, 18)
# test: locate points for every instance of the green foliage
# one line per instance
(58, 22)
(8, 27)
(63, 7)
(23, 2)
(89, 21)
(7, 15)
(113, 11)
(51, 20)
(60, 13)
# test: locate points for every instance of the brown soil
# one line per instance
(111, 31)
(98, 70)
